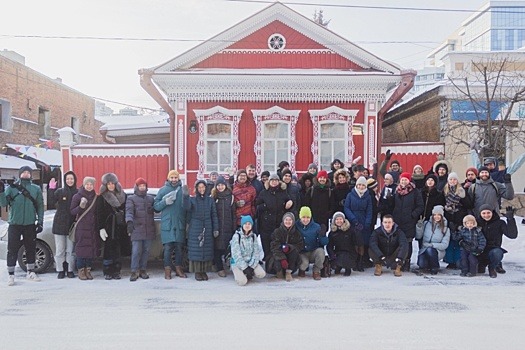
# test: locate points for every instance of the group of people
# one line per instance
(277, 224)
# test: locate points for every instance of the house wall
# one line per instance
(420, 125)
(26, 91)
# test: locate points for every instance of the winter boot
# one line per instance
(82, 274)
(452, 266)
(288, 276)
(397, 271)
(348, 272)
(481, 268)
(406, 266)
(301, 273)
(317, 276)
(180, 272)
(88, 273)
(167, 272)
(222, 273)
(143, 274)
(134, 276)
(500, 269)
(204, 276)
(11, 280)
(279, 274)
(379, 270)
(492, 273)
(338, 270)
(61, 275)
(70, 274)
(198, 276)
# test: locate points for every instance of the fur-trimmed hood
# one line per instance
(344, 227)
(282, 185)
(339, 172)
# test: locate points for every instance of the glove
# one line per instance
(83, 202)
(248, 272)
(284, 264)
(2, 187)
(169, 200)
(467, 185)
(103, 234)
(399, 262)
(477, 252)
(507, 178)
(427, 245)
(215, 234)
(358, 226)
(39, 228)
(130, 228)
(185, 190)
(509, 212)
(383, 260)
(464, 245)
(285, 248)
(240, 203)
(389, 154)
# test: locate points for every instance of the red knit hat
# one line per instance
(474, 170)
(407, 175)
(140, 181)
(322, 173)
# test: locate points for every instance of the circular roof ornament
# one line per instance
(276, 42)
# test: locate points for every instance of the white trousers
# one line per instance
(240, 277)
(64, 252)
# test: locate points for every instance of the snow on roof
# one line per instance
(44, 155)
(12, 162)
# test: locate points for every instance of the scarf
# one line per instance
(360, 193)
(452, 199)
(403, 191)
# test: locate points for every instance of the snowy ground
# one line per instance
(361, 311)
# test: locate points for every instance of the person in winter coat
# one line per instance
(140, 225)
(345, 244)
(27, 208)
(169, 203)
(457, 204)
(487, 191)
(388, 246)
(471, 177)
(318, 199)
(251, 173)
(408, 206)
(244, 195)
(271, 203)
(394, 170)
(314, 242)
(418, 177)
(223, 197)
(434, 241)
(340, 190)
(472, 243)
(334, 166)
(373, 188)
(203, 228)
(62, 221)
(84, 208)
(111, 217)
(210, 183)
(312, 169)
(285, 246)
(245, 253)
(494, 229)
(441, 169)
(358, 210)
(293, 191)
(386, 197)
(431, 196)
(306, 181)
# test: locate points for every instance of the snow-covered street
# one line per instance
(361, 311)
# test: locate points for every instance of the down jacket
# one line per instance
(226, 216)
(433, 237)
(313, 236)
(246, 251)
(271, 207)
(281, 236)
(343, 239)
(384, 244)
(86, 234)
(63, 219)
(172, 217)
(139, 210)
(407, 209)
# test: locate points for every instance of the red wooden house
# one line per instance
(276, 86)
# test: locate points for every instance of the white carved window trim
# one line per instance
(333, 114)
(274, 114)
(215, 115)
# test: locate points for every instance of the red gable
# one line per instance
(299, 52)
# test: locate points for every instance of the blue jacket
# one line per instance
(312, 235)
(474, 240)
(203, 220)
(359, 209)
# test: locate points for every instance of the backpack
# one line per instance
(228, 255)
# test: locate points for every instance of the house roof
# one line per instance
(38, 154)
(282, 13)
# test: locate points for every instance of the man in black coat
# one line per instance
(388, 246)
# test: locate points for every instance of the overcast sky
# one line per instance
(108, 68)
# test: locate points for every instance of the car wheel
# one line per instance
(185, 260)
(43, 257)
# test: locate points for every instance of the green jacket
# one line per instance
(22, 211)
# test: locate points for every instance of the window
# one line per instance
(5, 115)
(332, 141)
(218, 146)
(44, 123)
(274, 137)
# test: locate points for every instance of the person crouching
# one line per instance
(285, 246)
(388, 246)
(245, 253)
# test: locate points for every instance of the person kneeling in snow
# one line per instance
(245, 253)
(388, 246)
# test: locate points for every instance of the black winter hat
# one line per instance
(221, 180)
(25, 168)
(431, 176)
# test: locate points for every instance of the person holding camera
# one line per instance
(388, 247)
(26, 219)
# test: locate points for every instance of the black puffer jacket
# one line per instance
(431, 198)
(226, 216)
(282, 235)
(271, 207)
(139, 210)
(495, 229)
(343, 239)
(318, 199)
(383, 244)
(63, 218)
(407, 209)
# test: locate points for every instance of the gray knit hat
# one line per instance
(361, 181)
(289, 214)
(274, 176)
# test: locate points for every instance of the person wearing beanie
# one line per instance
(26, 208)
(487, 191)
(358, 170)
(140, 226)
(203, 228)
(373, 190)
(394, 169)
(169, 202)
(62, 221)
(472, 243)
(245, 253)
(84, 207)
(386, 197)
(244, 195)
(434, 240)
(314, 242)
(286, 244)
(493, 229)
(340, 190)
(418, 177)
(389, 247)
(272, 203)
(344, 243)
(312, 169)
(293, 191)
(225, 206)
(319, 199)
(471, 176)
(408, 208)
(358, 210)
(111, 205)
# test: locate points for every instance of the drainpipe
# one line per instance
(148, 85)
(407, 82)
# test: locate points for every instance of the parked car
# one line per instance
(45, 243)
